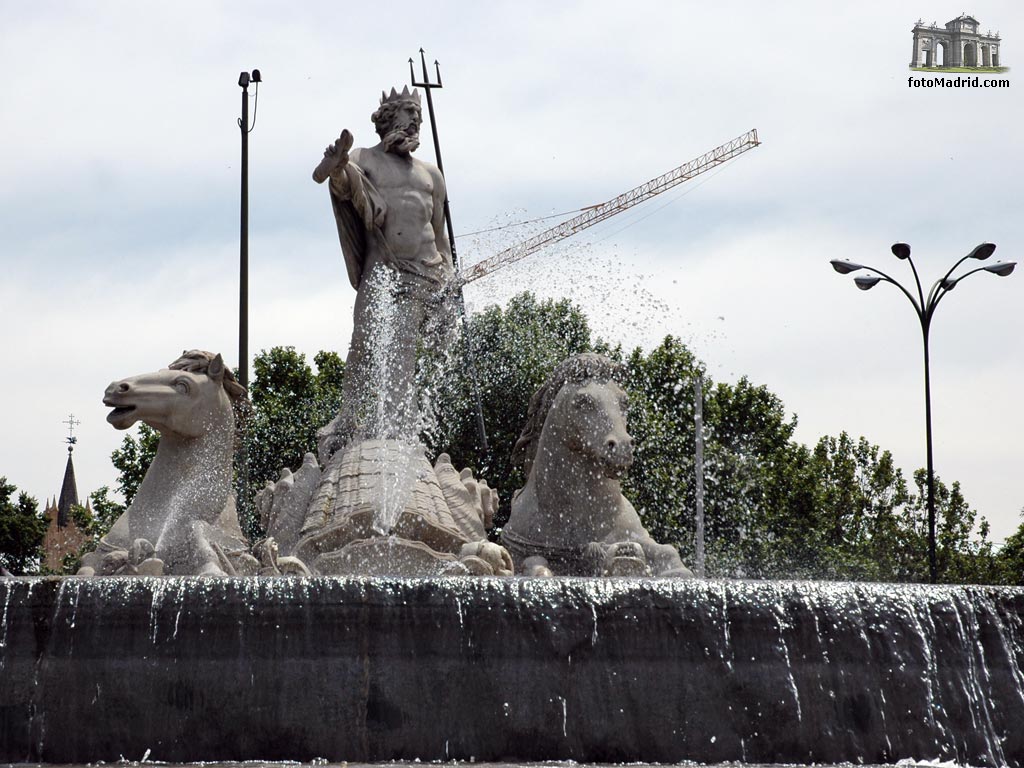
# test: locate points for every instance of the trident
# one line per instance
(428, 86)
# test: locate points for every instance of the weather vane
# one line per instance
(72, 422)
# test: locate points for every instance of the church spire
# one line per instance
(69, 489)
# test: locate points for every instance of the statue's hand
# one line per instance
(335, 157)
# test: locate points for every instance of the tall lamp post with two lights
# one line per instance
(925, 308)
(243, 279)
(243, 271)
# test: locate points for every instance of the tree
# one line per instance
(105, 512)
(749, 457)
(1010, 559)
(661, 420)
(750, 477)
(132, 460)
(515, 349)
(861, 528)
(22, 530)
(289, 403)
(963, 551)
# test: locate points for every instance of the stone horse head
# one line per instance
(571, 517)
(187, 398)
(580, 410)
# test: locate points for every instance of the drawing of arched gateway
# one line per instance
(958, 44)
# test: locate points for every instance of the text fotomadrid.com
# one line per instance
(957, 82)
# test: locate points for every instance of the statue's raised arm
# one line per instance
(335, 157)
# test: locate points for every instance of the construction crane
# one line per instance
(598, 213)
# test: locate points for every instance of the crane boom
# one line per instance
(598, 213)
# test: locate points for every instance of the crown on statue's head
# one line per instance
(405, 95)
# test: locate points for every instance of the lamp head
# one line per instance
(256, 76)
(982, 251)
(844, 267)
(243, 80)
(901, 250)
(1001, 268)
(866, 282)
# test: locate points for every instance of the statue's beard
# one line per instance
(402, 139)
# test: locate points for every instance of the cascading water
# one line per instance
(582, 669)
(393, 403)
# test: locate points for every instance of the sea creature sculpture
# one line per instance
(182, 520)
(571, 517)
(382, 509)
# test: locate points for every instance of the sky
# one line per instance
(119, 201)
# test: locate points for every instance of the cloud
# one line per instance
(120, 205)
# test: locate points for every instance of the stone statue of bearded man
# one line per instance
(389, 208)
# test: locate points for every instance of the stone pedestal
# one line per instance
(610, 670)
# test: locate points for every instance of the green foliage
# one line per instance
(749, 460)
(1009, 562)
(289, 403)
(22, 529)
(105, 512)
(132, 460)
(80, 517)
(963, 552)
(515, 349)
(861, 526)
(661, 421)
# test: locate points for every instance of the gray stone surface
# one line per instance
(282, 505)
(389, 208)
(592, 670)
(575, 449)
(382, 509)
(184, 508)
(959, 43)
(410, 764)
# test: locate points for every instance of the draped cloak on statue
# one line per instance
(359, 215)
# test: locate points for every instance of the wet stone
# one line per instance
(589, 670)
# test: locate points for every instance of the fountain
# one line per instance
(592, 670)
(377, 621)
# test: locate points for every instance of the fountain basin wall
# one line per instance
(509, 669)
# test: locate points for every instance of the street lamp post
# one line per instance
(925, 306)
(243, 277)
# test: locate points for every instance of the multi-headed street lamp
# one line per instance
(925, 308)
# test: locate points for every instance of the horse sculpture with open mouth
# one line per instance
(183, 511)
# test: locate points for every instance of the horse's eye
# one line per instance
(182, 386)
(585, 402)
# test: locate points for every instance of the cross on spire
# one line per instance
(72, 422)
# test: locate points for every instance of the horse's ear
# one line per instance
(216, 369)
